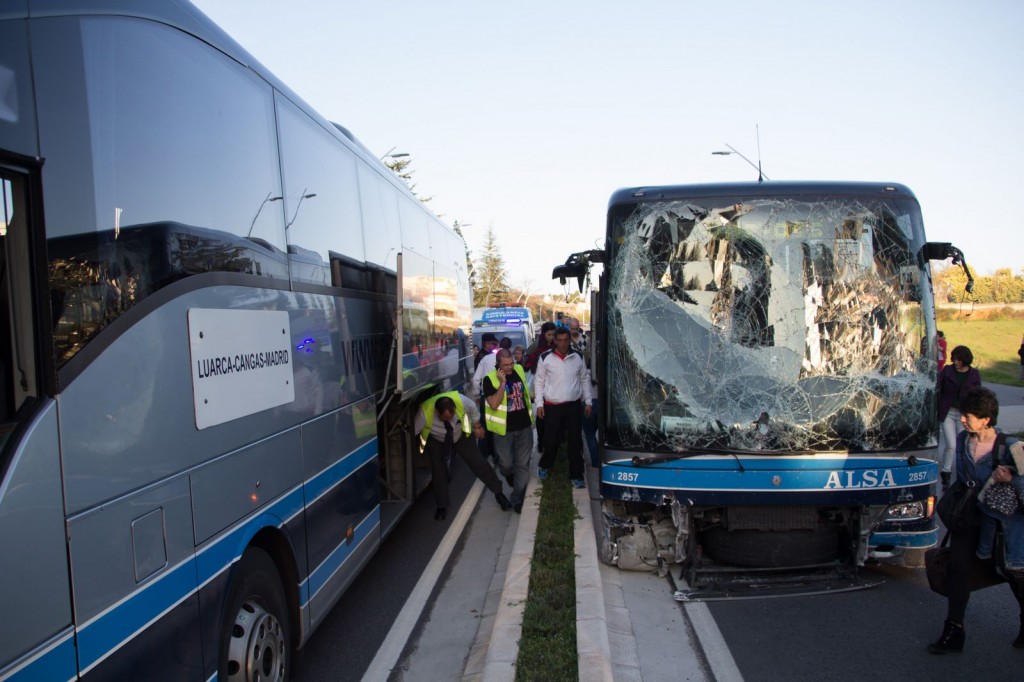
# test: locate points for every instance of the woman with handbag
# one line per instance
(976, 462)
(955, 380)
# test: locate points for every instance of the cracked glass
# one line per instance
(776, 325)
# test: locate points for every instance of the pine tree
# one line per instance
(491, 282)
(400, 166)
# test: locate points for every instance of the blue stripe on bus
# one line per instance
(54, 661)
(791, 474)
(333, 475)
(106, 633)
(322, 574)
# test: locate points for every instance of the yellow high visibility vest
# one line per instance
(496, 420)
(428, 413)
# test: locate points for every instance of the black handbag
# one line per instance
(982, 573)
(958, 507)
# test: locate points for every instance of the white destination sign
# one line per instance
(241, 363)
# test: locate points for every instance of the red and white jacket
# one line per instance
(561, 379)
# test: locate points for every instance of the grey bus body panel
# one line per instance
(33, 559)
(232, 486)
(132, 425)
(138, 515)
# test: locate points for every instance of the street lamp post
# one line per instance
(389, 155)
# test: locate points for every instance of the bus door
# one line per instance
(37, 641)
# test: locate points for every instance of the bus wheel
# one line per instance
(255, 635)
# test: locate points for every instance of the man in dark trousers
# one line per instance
(563, 392)
(443, 422)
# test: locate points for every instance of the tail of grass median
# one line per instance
(547, 648)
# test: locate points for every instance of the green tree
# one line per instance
(491, 276)
(400, 167)
(1001, 287)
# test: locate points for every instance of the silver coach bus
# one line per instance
(206, 365)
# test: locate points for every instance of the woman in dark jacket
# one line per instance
(955, 380)
(979, 408)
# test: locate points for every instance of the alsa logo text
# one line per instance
(867, 478)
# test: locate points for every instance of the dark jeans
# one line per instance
(466, 448)
(564, 421)
(486, 444)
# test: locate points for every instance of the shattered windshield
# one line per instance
(768, 324)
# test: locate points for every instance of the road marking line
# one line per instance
(391, 649)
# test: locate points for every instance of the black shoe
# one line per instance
(518, 509)
(944, 476)
(502, 501)
(510, 480)
(952, 639)
(441, 514)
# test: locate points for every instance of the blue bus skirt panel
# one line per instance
(54, 660)
(153, 635)
(819, 480)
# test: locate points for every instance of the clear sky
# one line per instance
(526, 116)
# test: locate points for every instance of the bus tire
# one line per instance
(255, 641)
(771, 549)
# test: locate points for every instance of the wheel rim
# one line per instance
(258, 650)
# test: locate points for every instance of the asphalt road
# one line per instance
(877, 634)
(344, 645)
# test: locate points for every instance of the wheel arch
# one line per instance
(275, 543)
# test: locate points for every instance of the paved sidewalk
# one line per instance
(628, 626)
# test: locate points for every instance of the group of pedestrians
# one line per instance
(513, 390)
(975, 454)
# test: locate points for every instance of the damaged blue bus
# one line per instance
(767, 414)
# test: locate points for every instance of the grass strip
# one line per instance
(993, 344)
(547, 648)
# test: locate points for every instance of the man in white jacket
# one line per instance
(563, 394)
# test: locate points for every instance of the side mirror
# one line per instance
(942, 251)
(577, 265)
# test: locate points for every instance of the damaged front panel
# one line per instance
(769, 325)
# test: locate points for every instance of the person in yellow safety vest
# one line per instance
(508, 415)
(443, 422)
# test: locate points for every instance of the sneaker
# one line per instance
(542, 474)
(518, 509)
(502, 501)
(578, 483)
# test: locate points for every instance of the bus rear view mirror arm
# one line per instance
(942, 251)
(577, 265)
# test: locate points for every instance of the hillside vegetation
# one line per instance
(994, 343)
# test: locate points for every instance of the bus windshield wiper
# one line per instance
(655, 459)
